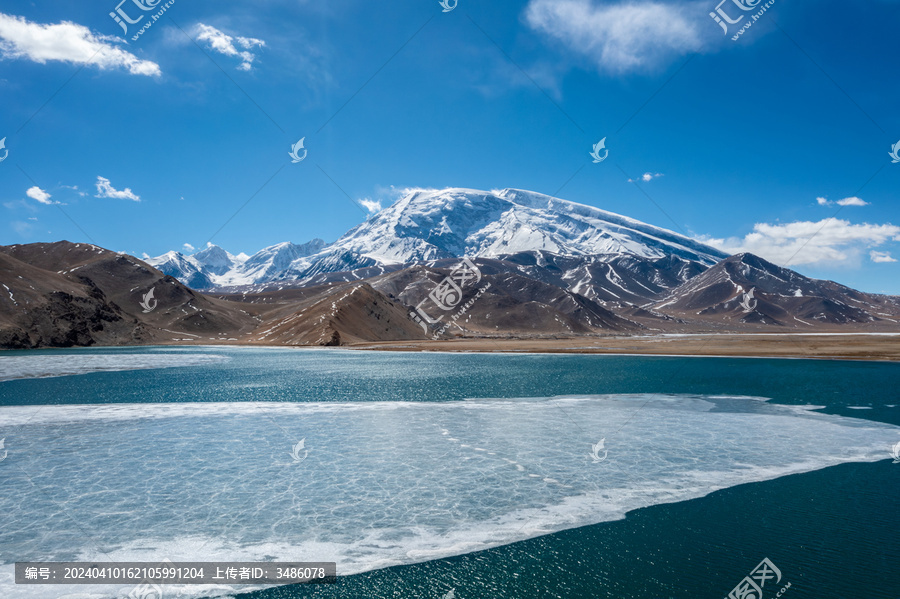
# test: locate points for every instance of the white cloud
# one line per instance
(646, 177)
(881, 256)
(620, 36)
(851, 201)
(372, 206)
(106, 190)
(66, 42)
(188, 247)
(145, 256)
(227, 45)
(828, 241)
(854, 201)
(36, 193)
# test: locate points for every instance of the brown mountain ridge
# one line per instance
(67, 294)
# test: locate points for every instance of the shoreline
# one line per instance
(841, 346)
(866, 347)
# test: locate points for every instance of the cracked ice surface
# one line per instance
(384, 482)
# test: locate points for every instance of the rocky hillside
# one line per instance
(65, 294)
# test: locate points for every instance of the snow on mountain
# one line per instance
(272, 262)
(214, 267)
(434, 224)
(428, 225)
(217, 261)
(750, 289)
(183, 268)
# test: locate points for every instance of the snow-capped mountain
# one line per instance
(434, 224)
(214, 267)
(217, 261)
(272, 262)
(183, 268)
(428, 225)
(67, 294)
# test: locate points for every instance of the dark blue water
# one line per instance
(340, 375)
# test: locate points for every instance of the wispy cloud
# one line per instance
(66, 42)
(828, 241)
(646, 177)
(851, 201)
(39, 195)
(372, 206)
(228, 45)
(188, 247)
(106, 190)
(881, 256)
(620, 36)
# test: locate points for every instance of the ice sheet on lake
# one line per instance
(37, 366)
(382, 483)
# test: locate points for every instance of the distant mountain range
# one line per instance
(544, 267)
(214, 267)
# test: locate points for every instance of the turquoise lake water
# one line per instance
(432, 472)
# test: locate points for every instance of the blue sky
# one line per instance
(773, 142)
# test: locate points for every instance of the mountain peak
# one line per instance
(215, 267)
(429, 224)
(434, 224)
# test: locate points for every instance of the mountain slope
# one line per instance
(780, 297)
(617, 280)
(512, 303)
(65, 294)
(432, 225)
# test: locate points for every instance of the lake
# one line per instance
(483, 475)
